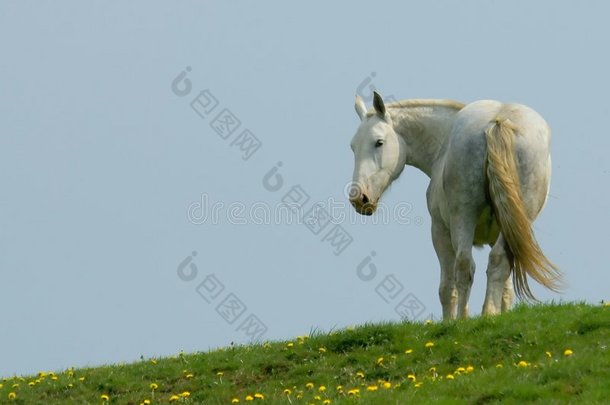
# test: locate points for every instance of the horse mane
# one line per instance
(414, 103)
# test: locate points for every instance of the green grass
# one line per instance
(488, 349)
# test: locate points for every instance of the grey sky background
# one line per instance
(100, 161)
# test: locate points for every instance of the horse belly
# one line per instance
(487, 229)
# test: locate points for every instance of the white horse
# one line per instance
(489, 167)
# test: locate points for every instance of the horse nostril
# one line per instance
(365, 199)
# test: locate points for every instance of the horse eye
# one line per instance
(378, 143)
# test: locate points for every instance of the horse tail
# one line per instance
(524, 253)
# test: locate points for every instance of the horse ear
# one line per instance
(360, 107)
(378, 104)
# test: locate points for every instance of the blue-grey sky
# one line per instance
(100, 161)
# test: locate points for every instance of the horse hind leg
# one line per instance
(508, 294)
(462, 237)
(499, 294)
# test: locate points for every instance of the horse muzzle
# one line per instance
(363, 205)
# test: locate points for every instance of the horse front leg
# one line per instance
(447, 292)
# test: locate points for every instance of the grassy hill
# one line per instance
(545, 354)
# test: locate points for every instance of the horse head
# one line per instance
(380, 156)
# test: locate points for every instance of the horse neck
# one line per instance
(424, 128)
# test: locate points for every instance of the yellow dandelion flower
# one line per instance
(81, 379)
(235, 401)
(309, 385)
(104, 397)
(387, 385)
(174, 398)
(411, 377)
(469, 369)
(70, 385)
(522, 363)
(154, 386)
(189, 376)
(499, 365)
(360, 374)
(372, 388)
(326, 402)
(31, 383)
(220, 373)
(299, 396)
(354, 392)
(460, 370)
(289, 344)
(42, 374)
(287, 392)
(12, 395)
(249, 398)
(450, 377)
(548, 354)
(317, 398)
(54, 378)
(322, 388)
(417, 385)
(146, 402)
(568, 352)
(428, 321)
(185, 394)
(408, 351)
(339, 388)
(153, 361)
(432, 369)
(322, 350)
(429, 345)
(258, 395)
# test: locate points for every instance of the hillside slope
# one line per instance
(545, 354)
